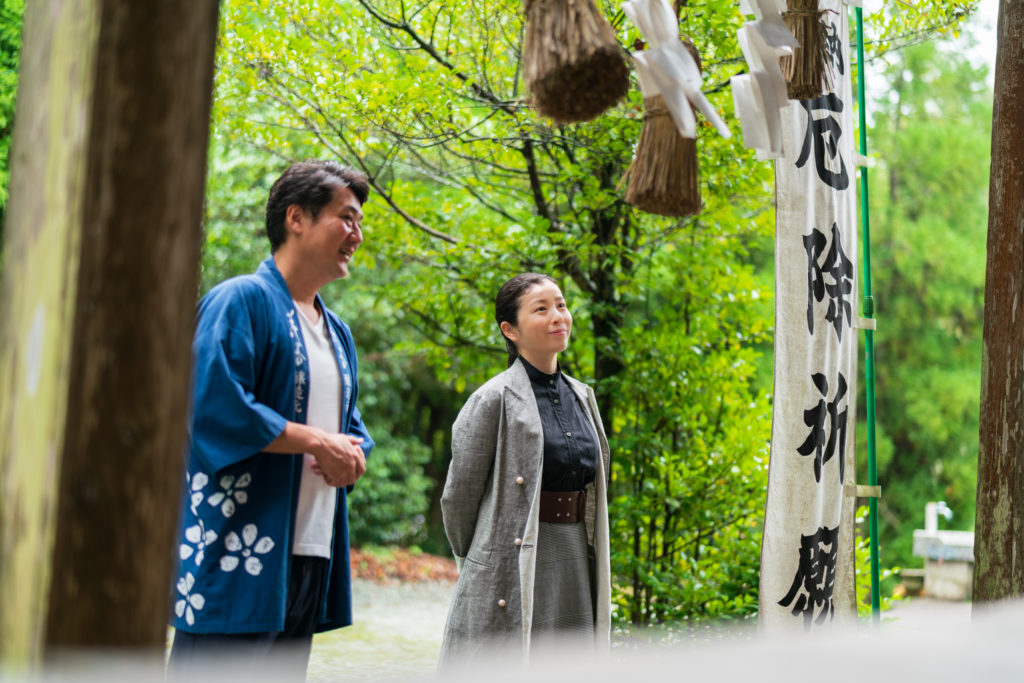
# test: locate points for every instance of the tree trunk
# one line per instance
(606, 324)
(123, 461)
(43, 221)
(608, 310)
(999, 529)
(111, 147)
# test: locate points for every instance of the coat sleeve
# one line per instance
(474, 444)
(358, 428)
(603, 438)
(228, 423)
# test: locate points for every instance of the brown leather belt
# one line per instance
(562, 507)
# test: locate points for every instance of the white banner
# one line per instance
(807, 572)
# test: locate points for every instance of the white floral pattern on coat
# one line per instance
(196, 485)
(232, 492)
(189, 603)
(245, 548)
(200, 537)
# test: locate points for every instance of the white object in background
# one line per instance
(931, 514)
(762, 8)
(760, 95)
(749, 104)
(668, 68)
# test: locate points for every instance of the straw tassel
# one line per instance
(664, 178)
(572, 62)
(805, 71)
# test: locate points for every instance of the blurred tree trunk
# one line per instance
(999, 527)
(99, 289)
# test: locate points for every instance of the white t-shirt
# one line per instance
(314, 520)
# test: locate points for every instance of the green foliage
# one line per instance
(235, 238)
(862, 560)
(399, 393)
(929, 196)
(470, 188)
(429, 102)
(11, 12)
(387, 506)
(691, 451)
(896, 26)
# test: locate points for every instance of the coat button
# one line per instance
(519, 481)
(518, 541)
(501, 603)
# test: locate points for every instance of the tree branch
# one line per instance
(429, 48)
(352, 153)
(448, 335)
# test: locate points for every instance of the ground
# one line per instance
(396, 635)
(400, 605)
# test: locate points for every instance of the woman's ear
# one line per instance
(509, 331)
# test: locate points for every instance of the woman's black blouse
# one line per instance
(570, 443)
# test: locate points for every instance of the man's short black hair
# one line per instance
(311, 185)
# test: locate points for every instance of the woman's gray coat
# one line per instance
(491, 504)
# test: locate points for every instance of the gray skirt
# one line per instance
(562, 599)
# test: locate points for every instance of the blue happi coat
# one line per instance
(250, 376)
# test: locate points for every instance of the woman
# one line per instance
(525, 503)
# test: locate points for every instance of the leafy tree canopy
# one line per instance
(472, 187)
(929, 196)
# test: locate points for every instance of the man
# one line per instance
(276, 440)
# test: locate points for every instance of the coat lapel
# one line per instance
(519, 383)
(521, 410)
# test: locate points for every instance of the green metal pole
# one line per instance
(869, 335)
